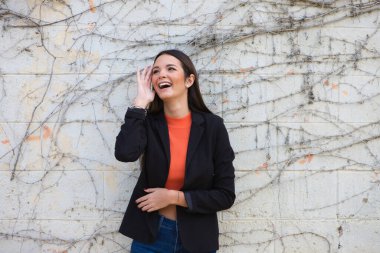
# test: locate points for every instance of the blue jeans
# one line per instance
(168, 240)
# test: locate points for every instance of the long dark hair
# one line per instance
(194, 96)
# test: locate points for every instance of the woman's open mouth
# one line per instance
(164, 85)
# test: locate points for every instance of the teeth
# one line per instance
(164, 85)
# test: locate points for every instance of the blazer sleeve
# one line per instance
(131, 140)
(222, 194)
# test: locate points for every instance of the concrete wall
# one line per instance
(297, 83)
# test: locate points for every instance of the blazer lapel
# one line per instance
(163, 132)
(196, 133)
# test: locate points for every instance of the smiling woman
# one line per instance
(169, 80)
(194, 97)
(187, 174)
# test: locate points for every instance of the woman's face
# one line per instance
(168, 78)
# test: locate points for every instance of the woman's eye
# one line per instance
(171, 68)
(155, 71)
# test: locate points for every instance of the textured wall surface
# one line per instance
(297, 82)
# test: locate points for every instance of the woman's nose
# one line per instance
(162, 74)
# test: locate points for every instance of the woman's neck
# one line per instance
(175, 109)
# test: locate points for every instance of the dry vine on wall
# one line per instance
(297, 83)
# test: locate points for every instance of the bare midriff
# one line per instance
(169, 212)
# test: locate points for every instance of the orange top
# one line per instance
(179, 133)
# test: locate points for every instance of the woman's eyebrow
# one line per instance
(168, 65)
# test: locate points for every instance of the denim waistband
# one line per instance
(167, 223)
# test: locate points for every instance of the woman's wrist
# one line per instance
(175, 197)
(138, 103)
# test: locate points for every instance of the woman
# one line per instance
(187, 173)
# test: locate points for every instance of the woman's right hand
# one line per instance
(145, 94)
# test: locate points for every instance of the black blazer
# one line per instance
(209, 176)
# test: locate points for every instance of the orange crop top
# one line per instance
(179, 133)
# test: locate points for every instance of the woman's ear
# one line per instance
(190, 80)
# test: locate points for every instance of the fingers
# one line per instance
(152, 201)
(142, 202)
(145, 205)
(144, 199)
(144, 76)
(148, 75)
(145, 73)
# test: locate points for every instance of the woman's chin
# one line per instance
(165, 95)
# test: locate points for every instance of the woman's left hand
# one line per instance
(156, 199)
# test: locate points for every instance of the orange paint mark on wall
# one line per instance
(92, 6)
(58, 251)
(345, 93)
(262, 166)
(45, 135)
(47, 132)
(243, 70)
(33, 138)
(6, 141)
(308, 158)
(290, 72)
(334, 86)
(326, 82)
